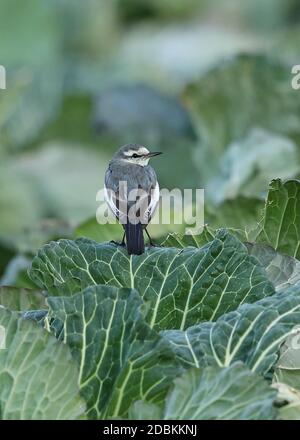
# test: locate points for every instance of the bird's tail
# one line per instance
(134, 238)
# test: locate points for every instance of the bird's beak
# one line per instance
(154, 153)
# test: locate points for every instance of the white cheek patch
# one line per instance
(142, 161)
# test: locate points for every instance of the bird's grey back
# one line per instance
(136, 176)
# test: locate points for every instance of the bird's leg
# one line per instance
(150, 239)
(122, 243)
(123, 240)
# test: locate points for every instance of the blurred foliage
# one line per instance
(240, 213)
(247, 166)
(205, 82)
(135, 10)
(245, 92)
(29, 299)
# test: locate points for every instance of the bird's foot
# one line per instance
(118, 243)
(152, 244)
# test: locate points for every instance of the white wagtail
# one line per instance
(132, 193)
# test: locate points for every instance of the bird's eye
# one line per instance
(135, 155)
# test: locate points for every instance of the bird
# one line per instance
(131, 191)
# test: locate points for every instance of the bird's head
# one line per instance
(135, 154)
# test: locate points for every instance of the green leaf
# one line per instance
(6, 254)
(287, 369)
(281, 269)
(288, 400)
(222, 117)
(213, 393)
(92, 229)
(281, 225)
(15, 273)
(290, 411)
(120, 358)
(18, 203)
(242, 213)
(53, 172)
(241, 216)
(141, 410)
(39, 316)
(37, 374)
(36, 75)
(28, 116)
(43, 23)
(19, 299)
(181, 286)
(252, 334)
(151, 117)
(248, 165)
(181, 241)
(29, 240)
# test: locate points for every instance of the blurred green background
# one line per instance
(207, 82)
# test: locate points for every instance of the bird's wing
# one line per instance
(110, 200)
(153, 202)
(115, 197)
(126, 205)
